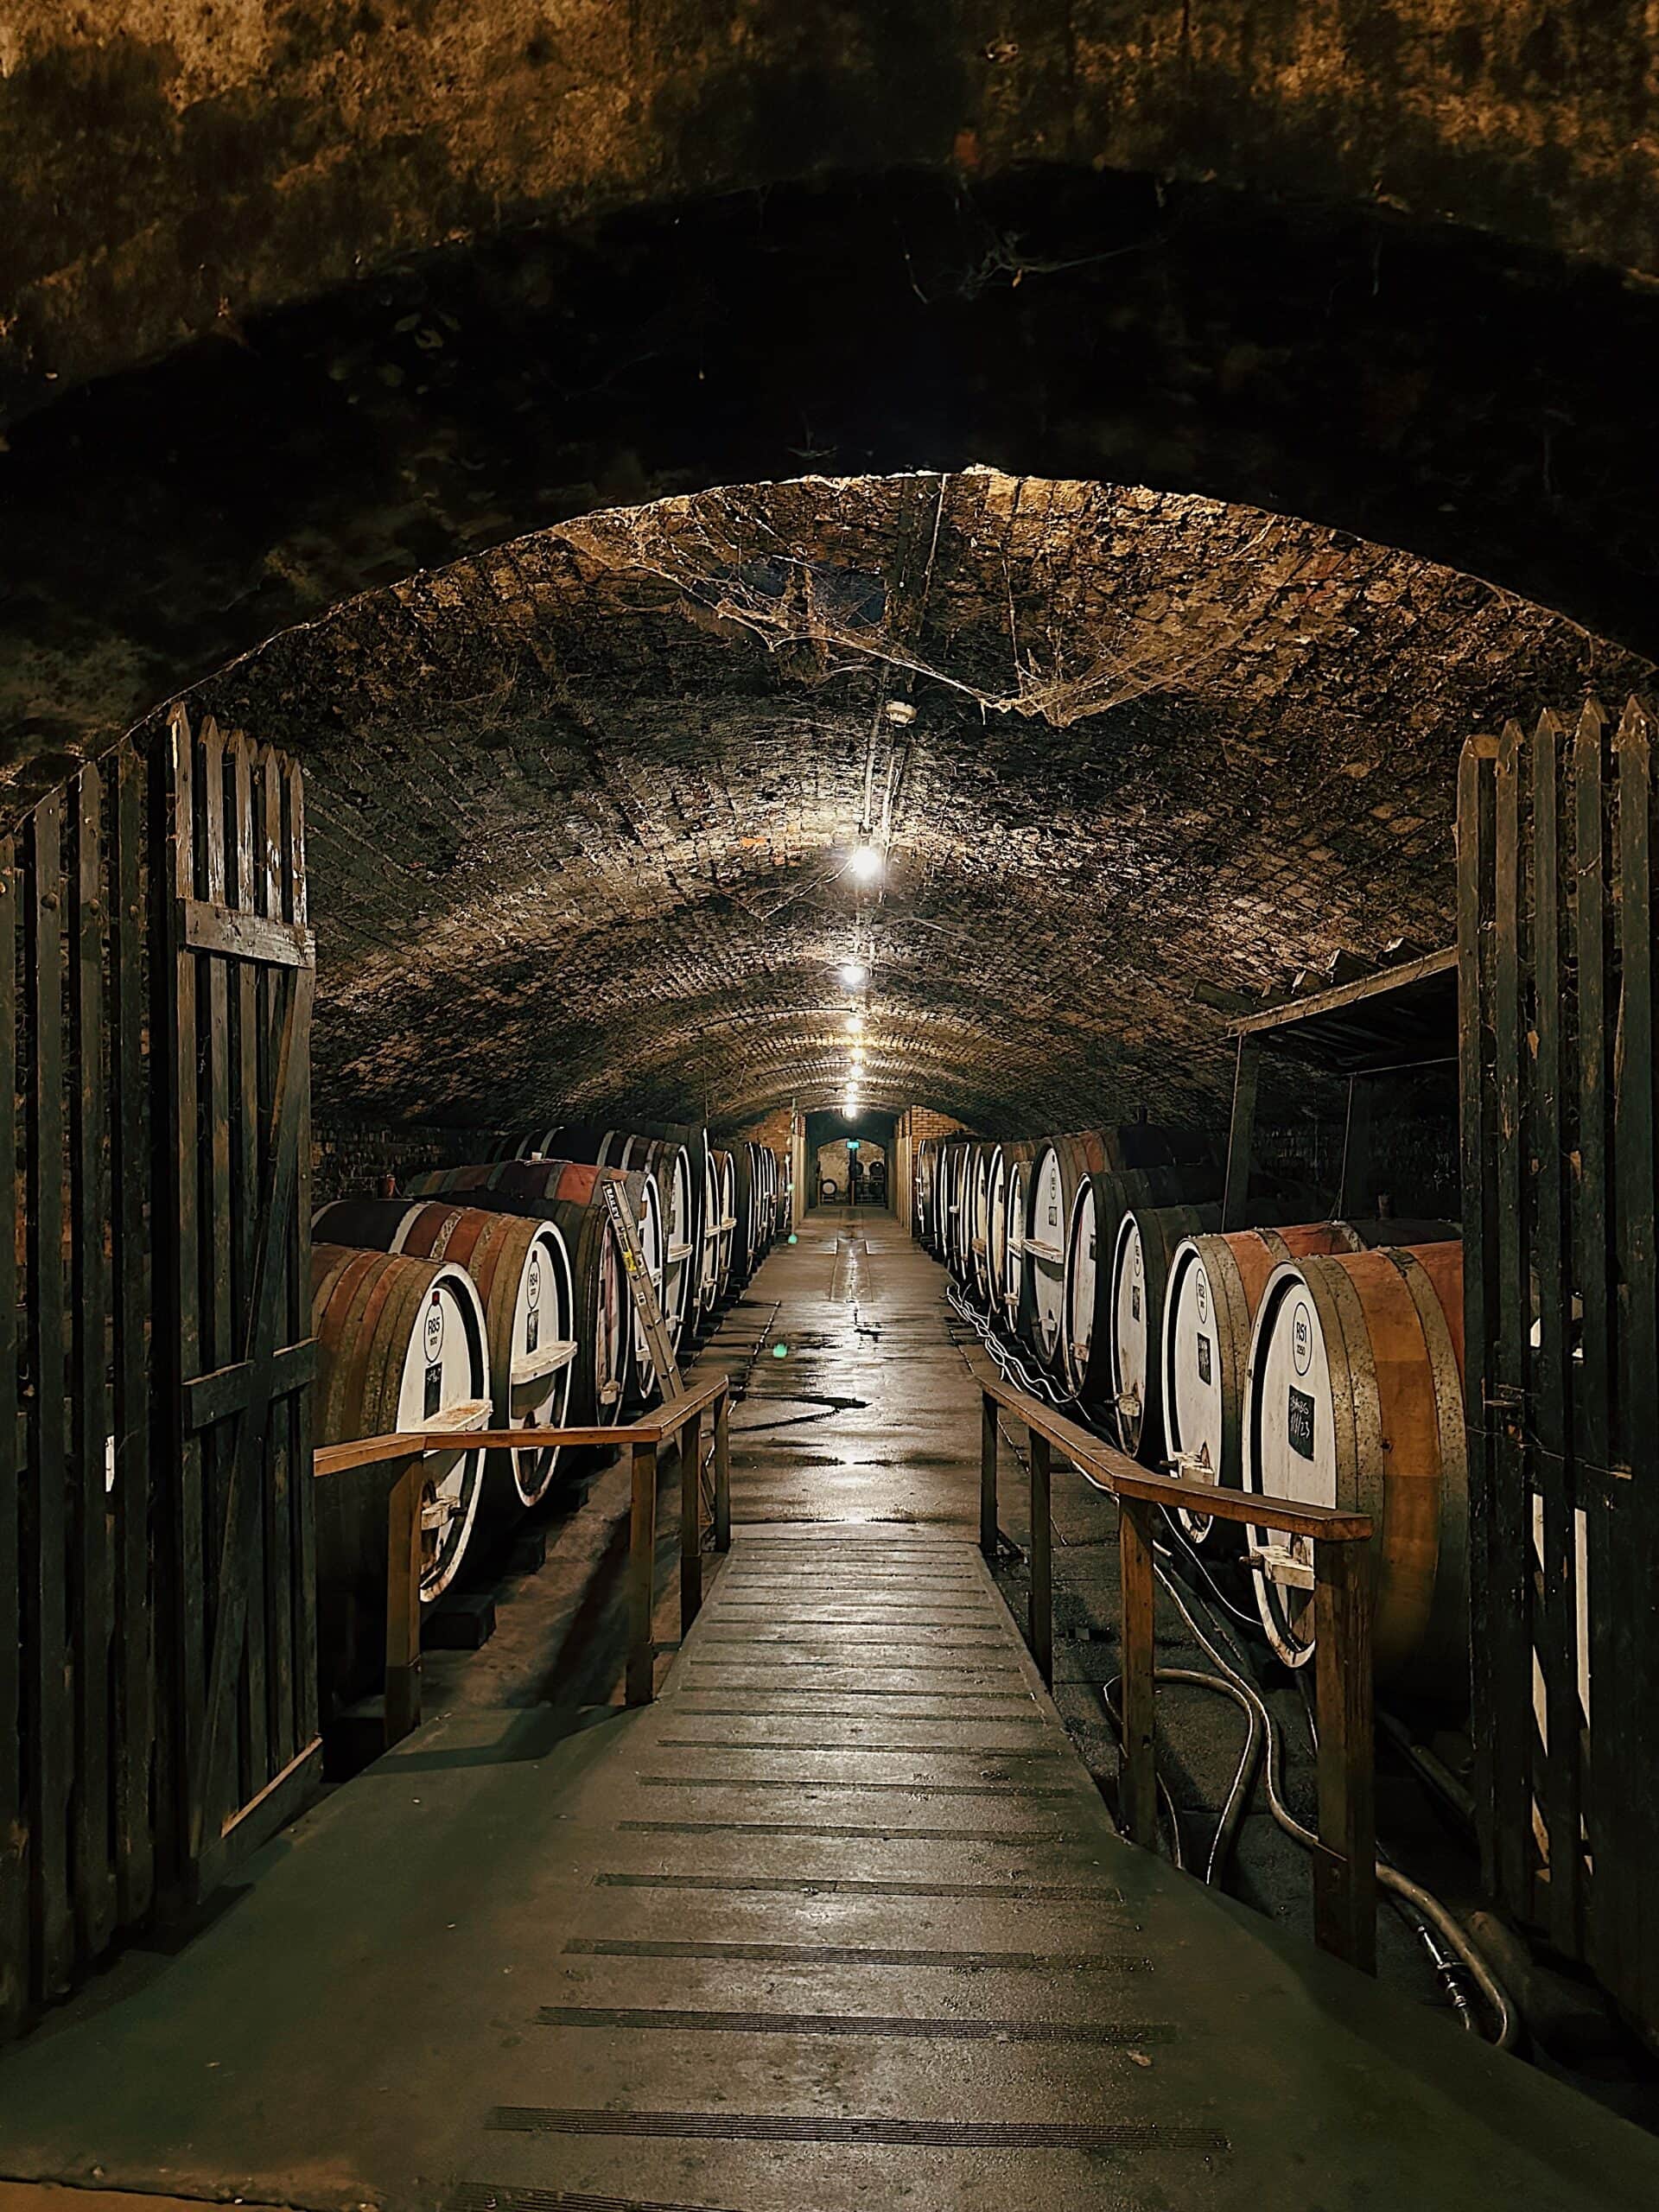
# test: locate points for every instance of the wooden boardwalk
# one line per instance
(839, 1921)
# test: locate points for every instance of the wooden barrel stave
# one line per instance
(522, 1273)
(378, 1348)
(1084, 1351)
(1354, 1399)
(567, 1192)
(1147, 1240)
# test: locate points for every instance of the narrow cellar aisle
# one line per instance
(840, 1920)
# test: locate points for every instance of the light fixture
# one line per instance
(855, 1024)
(854, 975)
(865, 865)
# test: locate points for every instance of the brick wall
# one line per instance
(349, 1159)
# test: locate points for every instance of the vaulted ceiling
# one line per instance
(580, 807)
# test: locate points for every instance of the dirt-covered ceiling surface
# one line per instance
(580, 805)
(170, 168)
(1482, 406)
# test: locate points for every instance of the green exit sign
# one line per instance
(853, 1143)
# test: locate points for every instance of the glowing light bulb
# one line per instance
(855, 1024)
(854, 975)
(865, 865)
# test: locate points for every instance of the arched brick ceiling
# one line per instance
(578, 805)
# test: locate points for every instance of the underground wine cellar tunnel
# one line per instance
(588, 613)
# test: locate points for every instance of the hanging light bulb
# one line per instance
(865, 864)
(854, 975)
(855, 1024)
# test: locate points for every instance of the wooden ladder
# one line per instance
(626, 1231)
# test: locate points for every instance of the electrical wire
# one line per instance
(1421, 1901)
(1261, 1735)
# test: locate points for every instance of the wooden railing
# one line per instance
(1345, 1864)
(401, 1456)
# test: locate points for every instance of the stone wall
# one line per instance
(350, 1159)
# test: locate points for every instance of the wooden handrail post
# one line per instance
(401, 1712)
(1042, 1560)
(690, 1442)
(724, 1471)
(1137, 1788)
(1345, 1866)
(642, 1578)
(988, 1475)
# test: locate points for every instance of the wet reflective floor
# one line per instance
(839, 1923)
(856, 1408)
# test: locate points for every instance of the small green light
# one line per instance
(780, 1351)
(793, 1238)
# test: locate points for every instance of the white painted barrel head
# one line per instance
(1083, 1267)
(1193, 1378)
(1013, 1272)
(543, 1356)
(1130, 1324)
(1289, 1444)
(651, 1244)
(1046, 1253)
(446, 1365)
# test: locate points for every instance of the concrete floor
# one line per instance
(841, 1920)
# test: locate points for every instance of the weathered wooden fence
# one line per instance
(157, 1691)
(1555, 833)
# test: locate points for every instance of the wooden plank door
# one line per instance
(235, 992)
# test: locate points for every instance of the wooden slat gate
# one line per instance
(157, 1682)
(1555, 832)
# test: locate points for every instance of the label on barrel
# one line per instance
(1134, 1301)
(433, 1333)
(533, 1280)
(1204, 1359)
(434, 1399)
(532, 1330)
(1301, 1338)
(1298, 1423)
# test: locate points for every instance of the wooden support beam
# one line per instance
(691, 1443)
(723, 1472)
(988, 1475)
(1042, 1560)
(1241, 1134)
(1344, 1865)
(1137, 1788)
(403, 1702)
(1341, 997)
(642, 1577)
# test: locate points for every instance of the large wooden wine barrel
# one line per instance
(402, 1344)
(970, 1213)
(567, 1192)
(1354, 1399)
(1017, 1311)
(725, 1221)
(766, 1169)
(522, 1273)
(1210, 1306)
(672, 1164)
(1147, 1238)
(922, 1161)
(1083, 1350)
(952, 1160)
(1060, 1169)
(535, 1177)
(746, 1208)
(1004, 1188)
(979, 1276)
